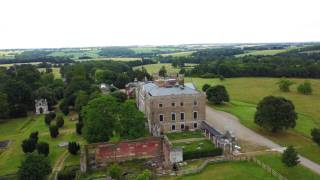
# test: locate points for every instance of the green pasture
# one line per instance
(179, 54)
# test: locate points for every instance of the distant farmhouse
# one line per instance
(170, 105)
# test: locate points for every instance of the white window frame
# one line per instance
(193, 115)
(175, 116)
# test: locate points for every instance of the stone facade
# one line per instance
(170, 107)
(41, 106)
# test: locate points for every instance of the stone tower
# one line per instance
(41, 106)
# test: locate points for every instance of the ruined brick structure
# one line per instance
(170, 105)
(99, 155)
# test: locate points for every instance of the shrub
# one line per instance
(28, 145)
(73, 148)
(34, 136)
(43, 148)
(60, 121)
(47, 119)
(115, 171)
(284, 85)
(315, 133)
(35, 166)
(52, 115)
(305, 88)
(290, 157)
(120, 96)
(68, 173)
(205, 87)
(145, 175)
(79, 126)
(54, 131)
(204, 153)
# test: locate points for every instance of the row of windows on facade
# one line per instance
(195, 103)
(173, 116)
(182, 127)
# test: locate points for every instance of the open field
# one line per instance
(179, 54)
(240, 170)
(55, 71)
(16, 130)
(154, 68)
(292, 173)
(245, 93)
(263, 52)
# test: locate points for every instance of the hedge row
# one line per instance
(200, 154)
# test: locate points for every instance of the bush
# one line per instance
(115, 171)
(79, 127)
(47, 119)
(217, 94)
(60, 121)
(35, 166)
(290, 157)
(28, 145)
(120, 96)
(305, 88)
(315, 133)
(43, 148)
(54, 131)
(204, 153)
(34, 136)
(73, 148)
(52, 115)
(145, 175)
(68, 173)
(205, 87)
(284, 85)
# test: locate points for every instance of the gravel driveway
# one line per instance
(224, 121)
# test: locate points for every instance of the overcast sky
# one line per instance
(76, 23)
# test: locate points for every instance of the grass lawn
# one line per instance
(240, 170)
(294, 173)
(55, 71)
(202, 145)
(184, 135)
(245, 93)
(17, 130)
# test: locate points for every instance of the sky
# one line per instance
(86, 23)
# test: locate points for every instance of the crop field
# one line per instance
(124, 59)
(263, 52)
(245, 93)
(237, 170)
(179, 54)
(16, 130)
(153, 49)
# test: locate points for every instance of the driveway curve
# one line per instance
(224, 121)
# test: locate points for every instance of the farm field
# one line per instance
(154, 68)
(245, 93)
(263, 52)
(179, 54)
(295, 173)
(125, 59)
(16, 130)
(228, 170)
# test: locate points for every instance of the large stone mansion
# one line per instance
(170, 105)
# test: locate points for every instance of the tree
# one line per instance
(120, 96)
(34, 167)
(305, 88)
(99, 119)
(205, 87)
(34, 136)
(290, 157)
(315, 133)
(28, 145)
(43, 148)
(132, 121)
(115, 171)
(68, 173)
(52, 115)
(4, 105)
(284, 85)
(145, 175)
(54, 131)
(47, 119)
(73, 148)
(275, 113)
(81, 100)
(59, 121)
(217, 94)
(48, 94)
(162, 72)
(79, 126)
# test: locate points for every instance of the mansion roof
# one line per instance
(154, 90)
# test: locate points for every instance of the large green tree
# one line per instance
(217, 94)
(4, 106)
(100, 119)
(290, 157)
(81, 100)
(162, 72)
(305, 88)
(275, 114)
(34, 167)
